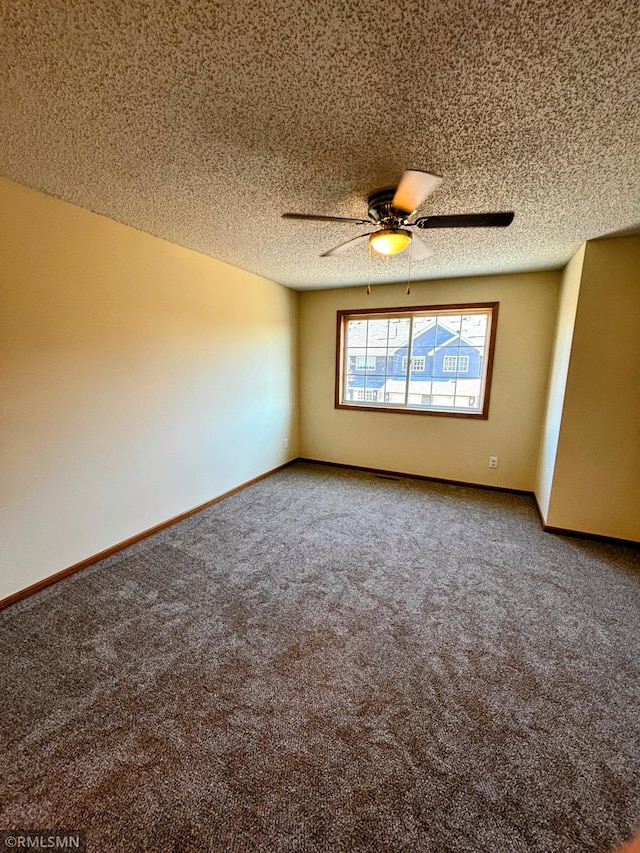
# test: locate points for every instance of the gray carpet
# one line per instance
(329, 661)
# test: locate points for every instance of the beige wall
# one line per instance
(570, 290)
(596, 483)
(138, 380)
(128, 391)
(452, 448)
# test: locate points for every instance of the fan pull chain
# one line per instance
(369, 275)
(410, 259)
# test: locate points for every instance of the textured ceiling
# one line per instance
(203, 121)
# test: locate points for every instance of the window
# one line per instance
(455, 364)
(428, 360)
(449, 363)
(365, 362)
(417, 363)
(367, 394)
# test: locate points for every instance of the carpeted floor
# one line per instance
(329, 661)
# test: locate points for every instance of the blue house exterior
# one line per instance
(439, 354)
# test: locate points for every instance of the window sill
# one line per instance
(399, 410)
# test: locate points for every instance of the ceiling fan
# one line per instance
(390, 210)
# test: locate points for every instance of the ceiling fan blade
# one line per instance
(338, 250)
(312, 218)
(419, 249)
(414, 187)
(467, 220)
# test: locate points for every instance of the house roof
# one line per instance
(202, 122)
(395, 335)
(364, 335)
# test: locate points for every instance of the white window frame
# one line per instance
(368, 395)
(457, 360)
(418, 363)
(451, 360)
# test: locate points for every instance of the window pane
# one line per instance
(467, 393)
(395, 388)
(422, 324)
(398, 332)
(420, 392)
(474, 328)
(356, 333)
(354, 362)
(378, 360)
(378, 333)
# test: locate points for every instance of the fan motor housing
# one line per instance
(382, 211)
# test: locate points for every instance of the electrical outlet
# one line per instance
(493, 462)
(286, 443)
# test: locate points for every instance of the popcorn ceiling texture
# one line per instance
(202, 122)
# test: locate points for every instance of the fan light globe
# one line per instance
(390, 241)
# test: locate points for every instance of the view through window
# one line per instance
(434, 359)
